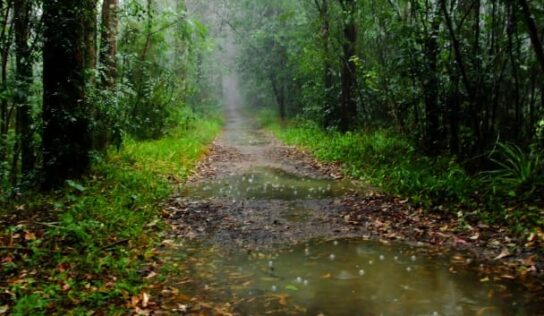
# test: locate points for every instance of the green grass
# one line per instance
(81, 249)
(390, 161)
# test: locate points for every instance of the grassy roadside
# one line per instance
(391, 162)
(82, 249)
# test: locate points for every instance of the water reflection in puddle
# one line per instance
(355, 277)
(340, 277)
(270, 183)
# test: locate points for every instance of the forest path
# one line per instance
(263, 228)
(261, 192)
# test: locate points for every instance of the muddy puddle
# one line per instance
(351, 277)
(261, 234)
(254, 263)
(272, 184)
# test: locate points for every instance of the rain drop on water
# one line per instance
(361, 272)
(332, 256)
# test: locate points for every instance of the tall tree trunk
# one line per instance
(348, 100)
(182, 52)
(106, 130)
(516, 125)
(23, 56)
(533, 32)
(328, 72)
(5, 46)
(90, 35)
(139, 76)
(473, 94)
(66, 138)
(279, 93)
(453, 107)
(431, 87)
(108, 44)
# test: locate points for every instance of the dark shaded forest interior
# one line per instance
(143, 140)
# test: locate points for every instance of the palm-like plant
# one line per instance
(518, 172)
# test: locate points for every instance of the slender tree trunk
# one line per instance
(533, 32)
(182, 52)
(279, 93)
(66, 138)
(348, 100)
(465, 79)
(431, 87)
(282, 102)
(453, 106)
(139, 73)
(5, 45)
(457, 49)
(514, 96)
(328, 76)
(90, 36)
(23, 56)
(108, 44)
(106, 131)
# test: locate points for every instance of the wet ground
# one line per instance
(254, 192)
(342, 277)
(263, 229)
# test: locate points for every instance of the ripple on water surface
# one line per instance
(271, 183)
(355, 277)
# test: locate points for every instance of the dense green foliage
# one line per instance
(102, 114)
(449, 94)
(135, 69)
(104, 105)
(454, 76)
(84, 247)
(511, 194)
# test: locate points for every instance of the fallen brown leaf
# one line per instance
(504, 253)
(145, 299)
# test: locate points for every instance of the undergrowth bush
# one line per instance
(385, 160)
(518, 173)
(89, 239)
(391, 162)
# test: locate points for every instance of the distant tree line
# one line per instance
(457, 76)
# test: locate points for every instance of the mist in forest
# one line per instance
(225, 53)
